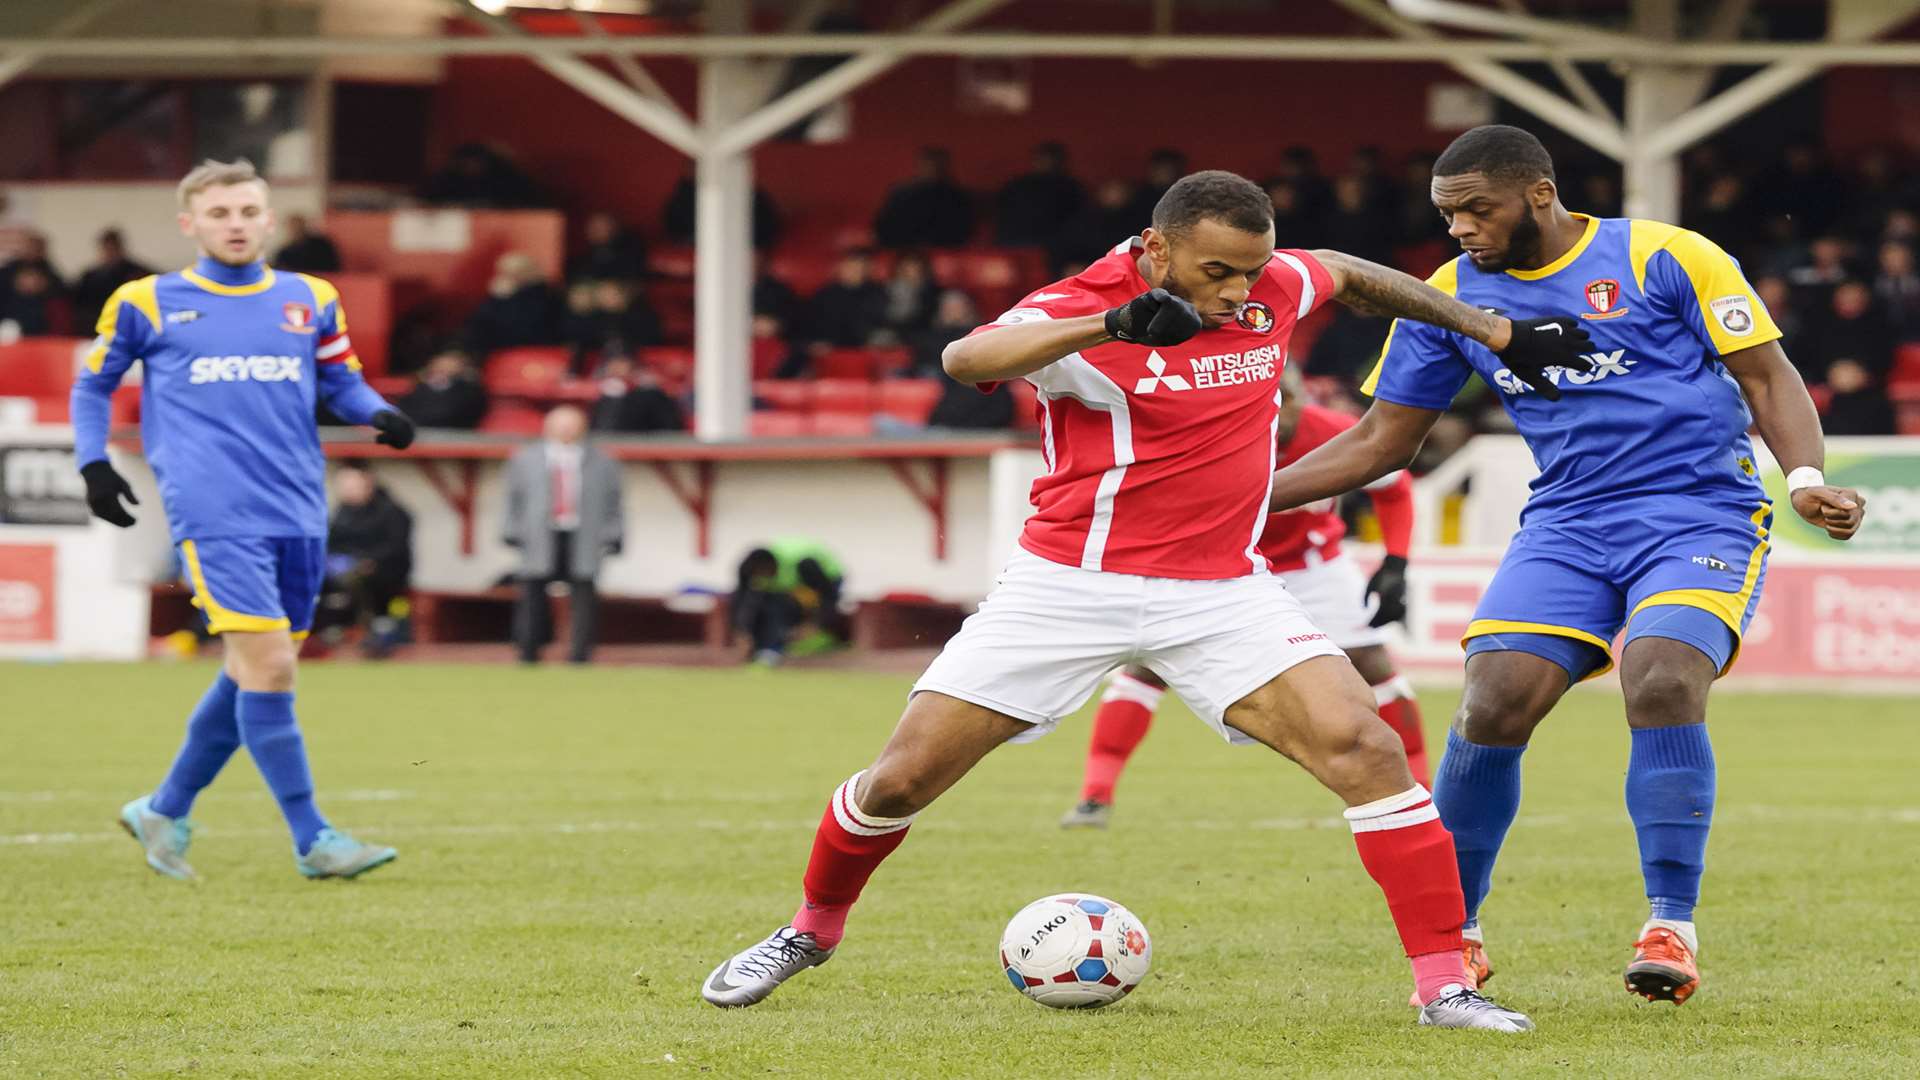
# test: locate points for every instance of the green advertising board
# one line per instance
(1886, 471)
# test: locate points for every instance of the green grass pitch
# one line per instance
(579, 848)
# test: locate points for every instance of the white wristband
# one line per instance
(1805, 476)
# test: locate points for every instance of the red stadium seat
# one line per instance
(673, 262)
(777, 425)
(513, 418)
(668, 362)
(909, 400)
(1906, 366)
(843, 425)
(1822, 396)
(529, 371)
(784, 395)
(845, 364)
(889, 360)
(842, 395)
(1906, 408)
(768, 355)
(40, 366)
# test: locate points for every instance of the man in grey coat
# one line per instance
(564, 517)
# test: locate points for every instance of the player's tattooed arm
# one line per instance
(1372, 289)
(1785, 414)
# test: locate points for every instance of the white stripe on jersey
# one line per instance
(329, 351)
(1072, 376)
(1306, 282)
(1258, 560)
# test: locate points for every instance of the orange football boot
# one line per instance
(1663, 968)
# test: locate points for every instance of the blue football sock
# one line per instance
(273, 738)
(213, 734)
(1670, 785)
(1477, 791)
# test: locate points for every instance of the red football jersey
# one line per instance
(1159, 460)
(1311, 534)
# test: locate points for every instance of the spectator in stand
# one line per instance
(965, 408)
(1355, 227)
(773, 351)
(1851, 330)
(633, 401)
(1301, 168)
(954, 318)
(32, 256)
(929, 210)
(676, 217)
(369, 561)
(1826, 267)
(32, 307)
(847, 311)
(114, 269)
(15, 230)
(1031, 209)
(1164, 166)
(1293, 228)
(607, 318)
(564, 517)
(1723, 214)
(772, 296)
(912, 295)
(306, 251)
(787, 601)
(520, 309)
(477, 175)
(1897, 290)
(1099, 225)
(1419, 222)
(447, 395)
(1804, 189)
(613, 252)
(1774, 292)
(1859, 405)
(1873, 193)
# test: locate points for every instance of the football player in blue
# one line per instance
(1647, 515)
(235, 356)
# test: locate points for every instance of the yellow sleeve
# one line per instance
(1703, 283)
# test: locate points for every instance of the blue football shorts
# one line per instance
(256, 585)
(1678, 569)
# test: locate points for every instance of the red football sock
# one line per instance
(1125, 713)
(847, 847)
(1410, 856)
(1401, 710)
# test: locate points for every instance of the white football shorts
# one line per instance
(1049, 633)
(1334, 594)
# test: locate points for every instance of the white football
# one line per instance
(1075, 951)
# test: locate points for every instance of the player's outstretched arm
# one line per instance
(1528, 347)
(1385, 439)
(1016, 349)
(1788, 421)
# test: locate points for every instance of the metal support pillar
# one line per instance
(1651, 180)
(723, 241)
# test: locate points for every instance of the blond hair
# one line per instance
(212, 174)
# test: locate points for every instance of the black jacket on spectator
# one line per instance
(926, 345)
(1349, 345)
(624, 258)
(638, 409)
(311, 254)
(965, 407)
(774, 297)
(528, 316)
(601, 331)
(846, 316)
(379, 531)
(91, 292)
(1031, 209)
(1863, 412)
(1092, 233)
(458, 405)
(924, 213)
(1867, 340)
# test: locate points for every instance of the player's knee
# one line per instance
(895, 788)
(1666, 695)
(1496, 722)
(1363, 743)
(268, 670)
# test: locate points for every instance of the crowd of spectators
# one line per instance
(1831, 251)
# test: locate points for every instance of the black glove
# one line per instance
(1389, 583)
(394, 428)
(1539, 344)
(105, 487)
(1154, 318)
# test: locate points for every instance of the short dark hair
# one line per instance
(1498, 151)
(1213, 194)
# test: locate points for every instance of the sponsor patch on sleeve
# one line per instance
(1022, 315)
(1734, 314)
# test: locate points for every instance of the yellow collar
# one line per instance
(265, 283)
(1566, 260)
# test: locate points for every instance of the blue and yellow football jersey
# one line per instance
(1647, 513)
(234, 361)
(1658, 416)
